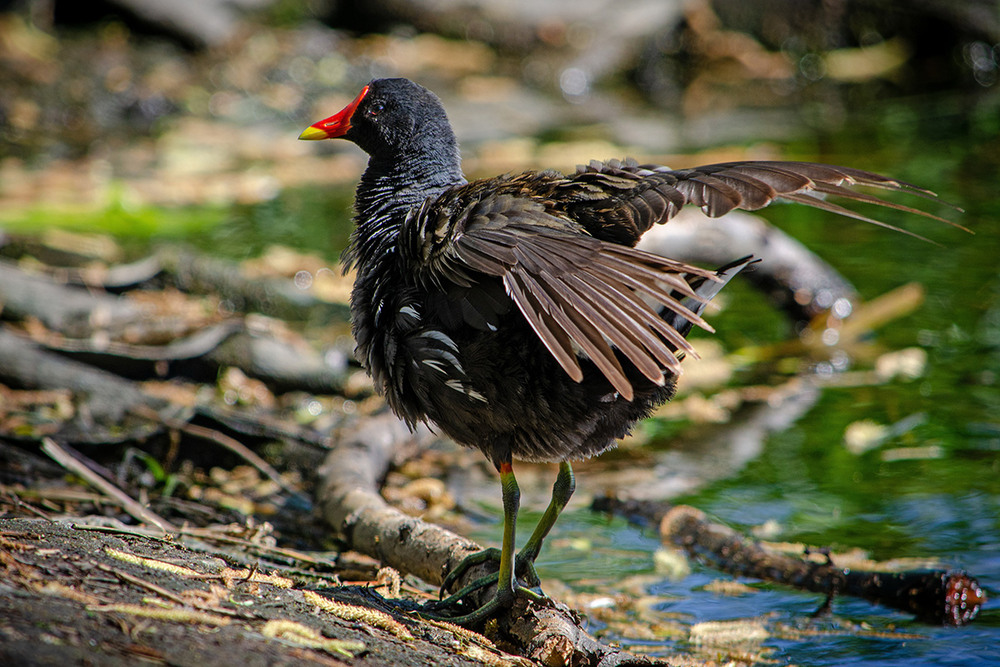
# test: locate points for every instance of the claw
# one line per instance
(524, 571)
(524, 568)
(469, 561)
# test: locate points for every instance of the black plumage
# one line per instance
(513, 313)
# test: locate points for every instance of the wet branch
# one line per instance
(951, 597)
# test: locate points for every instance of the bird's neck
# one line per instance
(389, 189)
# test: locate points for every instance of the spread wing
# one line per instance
(578, 293)
(562, 248)
(621, 200)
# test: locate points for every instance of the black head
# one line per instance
(389, 118)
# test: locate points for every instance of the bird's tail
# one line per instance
(705, 289)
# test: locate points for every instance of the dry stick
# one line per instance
(232, 444)
(132, 531)
(134, 508)
(142, 583)
(939, 596)
(239, 449)
(211, 535)
(350, 502)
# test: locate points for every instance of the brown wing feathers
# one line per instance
(720, 188)
(578, 293)
(582, 294)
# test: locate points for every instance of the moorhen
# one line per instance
(514, 312)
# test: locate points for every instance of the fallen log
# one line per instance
(949, 597)
(349, 499)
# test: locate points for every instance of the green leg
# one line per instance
(562, 491)
(511, 567)
(507, 587)
(511, 506)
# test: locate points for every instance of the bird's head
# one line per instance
(388, 118)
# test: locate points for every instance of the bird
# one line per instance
(515, 313)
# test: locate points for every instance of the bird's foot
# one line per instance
(452, 609)
(524, 573)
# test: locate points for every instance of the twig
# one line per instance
(291, 554)
(232, 444)
(176, 599)
(21, 504)
(238, 448)
(211, 535)
(135, 509)
(939, 596)
(136, 531)
(148, 585)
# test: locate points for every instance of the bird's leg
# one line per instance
(511, 505)
(507, 585)
(524, 563)
(562, 491)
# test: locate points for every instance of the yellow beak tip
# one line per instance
(313, 134)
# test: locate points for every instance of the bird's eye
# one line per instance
(374, 109)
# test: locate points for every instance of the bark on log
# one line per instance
(949, 597)
(349, 499)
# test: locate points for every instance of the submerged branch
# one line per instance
(951, 597)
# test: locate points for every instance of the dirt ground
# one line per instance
(74, 593)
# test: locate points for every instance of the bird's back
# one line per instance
(445, 336)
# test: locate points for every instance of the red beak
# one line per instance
(336, 125)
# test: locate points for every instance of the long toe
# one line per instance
(526, 583)
(467, 590)
(472, 560)
(524, 569)
(455, 612)
(453, 609)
